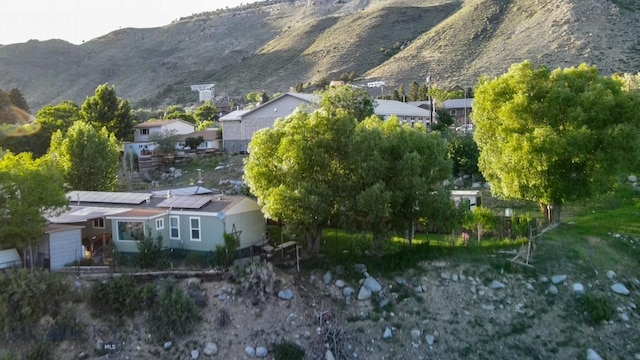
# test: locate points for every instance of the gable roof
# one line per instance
(206, 134)
(239, 114)
(393, 107)
(159, 123)
(457, 103)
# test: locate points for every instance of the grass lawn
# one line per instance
(595, 236)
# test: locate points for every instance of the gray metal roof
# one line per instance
(386, 108)
(457, 103)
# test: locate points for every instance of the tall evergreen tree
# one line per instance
(106, 109)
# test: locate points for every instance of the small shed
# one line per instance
(61, 245)
(474, 197)
(10, 258)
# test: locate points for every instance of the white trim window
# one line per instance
(159, 224)
(98, 223)
(174, 224)
(194, 224)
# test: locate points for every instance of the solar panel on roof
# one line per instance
(108, 197)
(185, 202)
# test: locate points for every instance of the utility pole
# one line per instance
(428, 81)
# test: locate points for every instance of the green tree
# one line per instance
(17, 99)
(295, 170)
(398, 175)
(414, 91)
(106, 109)
(193, 142)
(50, 119)
(480, 219)
(178, 112)
(165, 140)
(89, 158)
(205, 112)
(554, 136)
(355, 101)
(631, 81)
(444, 120)
(463, 151)
(28, 189)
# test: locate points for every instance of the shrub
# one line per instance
(219, 256)
(288, 351)
(597, 307)
(42, 350)
(174, 314)
(117, 296)
(257, 279)
(223, 319)
(150, 253)
(67, 327)
(26, 296)
(194, 260)
(148, 295)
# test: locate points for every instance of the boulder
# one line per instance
(348, 291)
(632, 178)
(593, 355)
(261, 352)
(558, 279)
(210, 349)
(619, 288)
(364, 293)
(285, 294)
(250, 351)
(372, 284)
(387, 333)
(326, 278)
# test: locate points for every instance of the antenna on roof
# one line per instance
(169, 194)
(78, 198)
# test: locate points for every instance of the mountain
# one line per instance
(275, 45)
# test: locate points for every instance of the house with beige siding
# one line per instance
(239, 126)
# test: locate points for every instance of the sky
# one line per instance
(82, 20)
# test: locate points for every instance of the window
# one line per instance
(98, 223)
(453, 112)
(144, 131)
(130, 231)
(159, 224)
(195, 228)
(174, 223)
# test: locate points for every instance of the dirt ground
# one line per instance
(446, 310)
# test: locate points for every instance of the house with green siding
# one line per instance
(187, 222)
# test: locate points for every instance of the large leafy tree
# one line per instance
(28, 189)
(399, 171)
(296, 170)
(378, 176)
(205, 115)
(106, 109)
(554, 136)
(88, 157)
(48, 120)
(463, 151)
(178, 112)
(355, 101)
